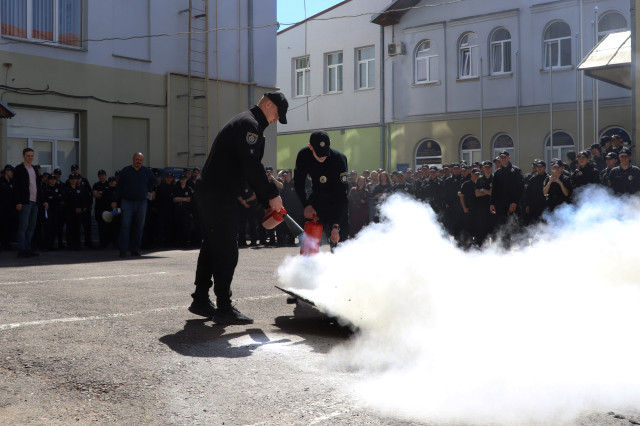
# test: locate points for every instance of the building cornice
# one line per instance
(498, 112)
(510, 13)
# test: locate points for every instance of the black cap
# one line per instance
(596, 146)
(624, 151)
(321, 143)
(74, 167)
(285, 172)
(281, 102)
(605, 139)
(541, 163)
(612, 154)
(50, 176)
(487, 163)
(182, 176)
(268, 169)
(196, 168)
(8, 167)
(170, 174)
(111, 179)
(476, 171)
(505, 154)
(101, 172)
(584, 154)
(455, 165)
(433, 168)
(557, 162)
(57, 171)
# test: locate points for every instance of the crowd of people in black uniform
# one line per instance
(476, 201)
(471, 201)
(70, 204)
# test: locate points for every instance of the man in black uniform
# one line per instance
(612, 161)
(625, 179)
(8, 215)
(235, 158)
(597, 159)
(585, 173)
(484, 186)
(507, 191)
(101, 205)
(329, 187)
(54, 197)
(534, 201)
(85, 217)
(469, 203)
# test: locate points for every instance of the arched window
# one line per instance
(468, 56)
(620, 132)
(500, 51)
(428, 152)
(503, 142)
(557, 45)
(426, 63)
(611, 22)
(562, 143)
(471, 149)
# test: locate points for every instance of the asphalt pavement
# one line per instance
(89, 338)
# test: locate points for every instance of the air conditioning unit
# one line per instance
(396, 48)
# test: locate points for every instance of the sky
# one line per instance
(292, 11)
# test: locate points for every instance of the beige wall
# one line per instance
(105, 136)
(534, 129)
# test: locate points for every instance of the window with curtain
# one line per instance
(55, 21)
(557, 45)
(468, 56)
(500, 51)
(611, 22)
(334, 72)
(426, 63)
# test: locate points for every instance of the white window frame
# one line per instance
(431, 160)
(603, 34)
(335, 82)
(504, 48)
(55, 26)
(468, 56)
(301, 76)
(470, 155)
(497, 150)
(559, 151)
(369, 67)
(558, 42)
(42, 136)
(425, 60)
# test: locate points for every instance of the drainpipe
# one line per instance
(382, 132)
(250, 52)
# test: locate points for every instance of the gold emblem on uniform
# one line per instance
(579, 173)
(323, 179)
(630, 177)
(252, 138)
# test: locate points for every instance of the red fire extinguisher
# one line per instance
(312, 237)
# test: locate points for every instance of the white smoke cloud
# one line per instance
(536, 334)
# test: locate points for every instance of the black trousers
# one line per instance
(218, 256)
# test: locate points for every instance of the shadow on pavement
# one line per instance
(309, 323)
(203, 338)
(69, 257)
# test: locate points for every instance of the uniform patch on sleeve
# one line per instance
(343, 177)
(252, 138)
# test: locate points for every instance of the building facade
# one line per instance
(477, 78)
(329, 65)
(92, 82)
(460, 80)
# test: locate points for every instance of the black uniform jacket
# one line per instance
(329, 186)
(21, 184)
(236, 156)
